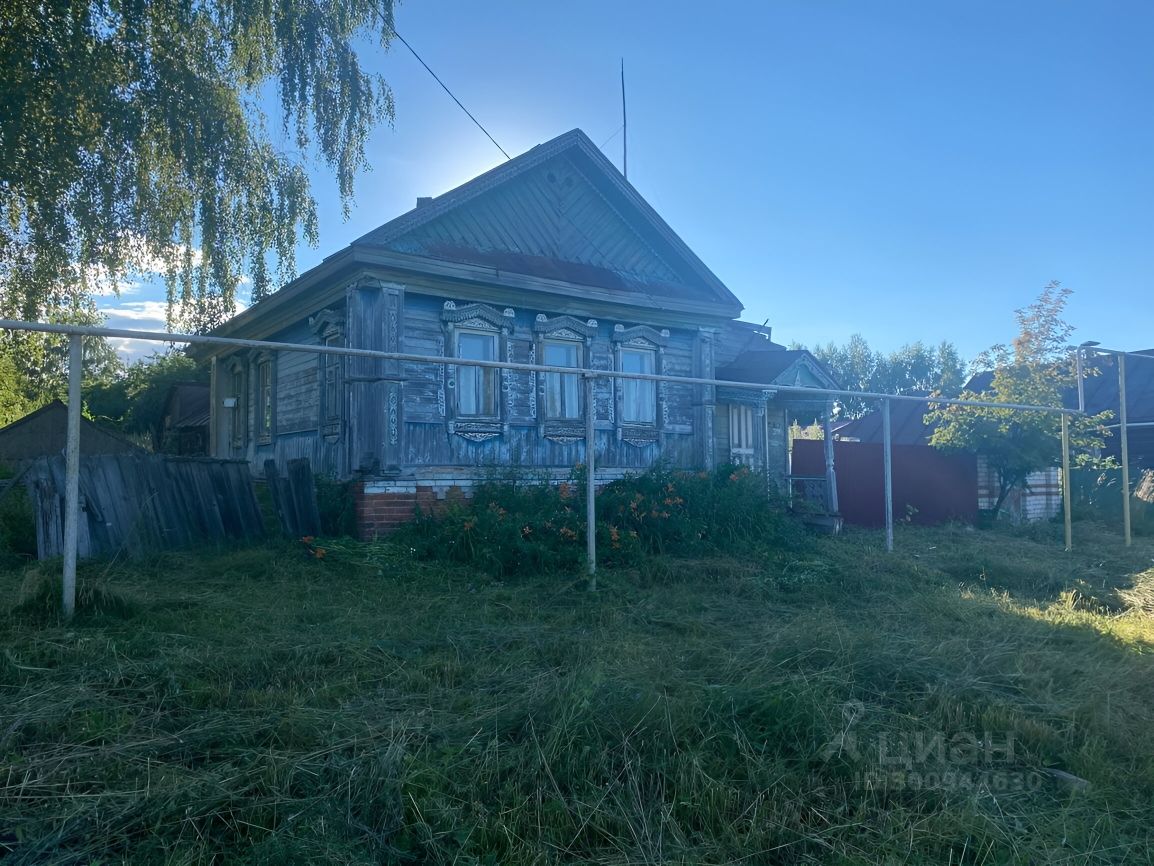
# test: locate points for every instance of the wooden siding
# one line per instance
(427, 440)
(398, 417)
(552, 212)
(297, 407)
(297, 389)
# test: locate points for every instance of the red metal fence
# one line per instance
(929, 487)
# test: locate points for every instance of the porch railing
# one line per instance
(810, 492)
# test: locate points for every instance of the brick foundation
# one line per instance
(381, 506)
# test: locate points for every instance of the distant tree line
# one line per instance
(915, 368)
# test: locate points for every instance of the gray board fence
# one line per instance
(142, 503)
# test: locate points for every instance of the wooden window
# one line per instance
(477, 387)
(741, 447)
(264, 400)
(562, 390)
(638, 397)
(239, 408)
(333, 396)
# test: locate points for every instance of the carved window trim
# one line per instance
(561, 329)
(265, 416)
(329, 326)
(477, 318)
(643, 338)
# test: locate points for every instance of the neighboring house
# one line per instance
(186, 420)
(1101, 390)
(1040, 498)
(44, 433)
(551, 258)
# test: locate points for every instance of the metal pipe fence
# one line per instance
(1124, 426)
(76, 333)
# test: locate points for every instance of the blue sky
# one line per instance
(903, 170)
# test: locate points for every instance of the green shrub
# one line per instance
(519, 527)
(686, 513)
(1097, 495)
(506, 528)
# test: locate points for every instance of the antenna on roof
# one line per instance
(624, 127)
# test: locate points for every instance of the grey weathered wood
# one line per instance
(302, 487)
(139, 503)
(294, 497)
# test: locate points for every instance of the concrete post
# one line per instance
(887, 460)
(72, 473)
(590, 486)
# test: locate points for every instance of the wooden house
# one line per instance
(550, 258)
(185, 422)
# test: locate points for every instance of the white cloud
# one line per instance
(141, 266)
(142, 315)
(135, 350)
(153, 312)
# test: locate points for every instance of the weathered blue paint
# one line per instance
(551, 245)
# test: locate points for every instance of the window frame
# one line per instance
(578, 397)
(265, 415)
(329, 327)
(562, 329)
(239, 388)
(627, 385)
(640, 337)
(480, 318)
(743, 435)
(486, 374)
(332, 386)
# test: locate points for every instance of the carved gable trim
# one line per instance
(558, 325)
(328, 323)
(477, 316)
(640, 335)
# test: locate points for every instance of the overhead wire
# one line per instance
(445, 87)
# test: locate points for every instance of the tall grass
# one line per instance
(264, 706)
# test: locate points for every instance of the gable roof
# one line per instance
(45, 432)
(779, 367)
(559, 211)
(907, 425)
(596, 242)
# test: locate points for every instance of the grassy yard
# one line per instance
(976, 698)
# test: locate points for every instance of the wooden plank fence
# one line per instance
(294, 496)
(138, 503)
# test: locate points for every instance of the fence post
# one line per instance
(887, 460)
(830, 470)
(72, 473)
(1067, 490)
(590, 486)
(1125, 434)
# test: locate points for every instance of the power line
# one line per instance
(446, 89)
(616, 132)
(624, 127)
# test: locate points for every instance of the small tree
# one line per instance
(1037, 369)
